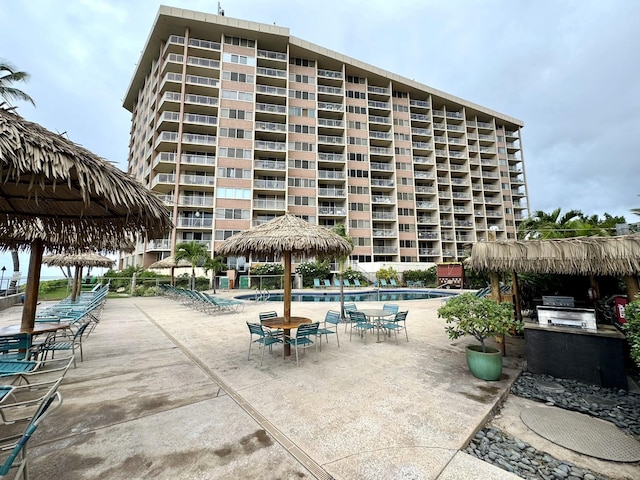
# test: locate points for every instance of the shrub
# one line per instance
(632, 328)
(311, 270)
(429, 276)
(481, 318)
(387, 274)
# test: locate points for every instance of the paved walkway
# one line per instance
(167, 392)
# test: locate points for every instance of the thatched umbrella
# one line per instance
(283, 236)
(59, 195)
(170, 262)
(77, 260)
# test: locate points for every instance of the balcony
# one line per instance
(324, 89)
(331, 157)
(279, 56)
(333, 140)
(426, 205)
(271, 108)
(381, 166)
(332, 192)
(332, 211)
(381, 151)
(380, 182)
(168, 200)
(382, 250)
(200, 100)
(379, 232)
(203, 62)
(271, 127)
(198, 159)
(207, 120)
(379, 105)
(202, 81)
(386, 199)
(331, 106)
(264, 204)
(198, 139)
(423, 160)
(270, 146)
(197, 222)
(427, 235)
(419, 103)
(419, 117)
(380, 135)
(160, 244)
(271, 72)
(427, 219)
(269, 184)
(203, 44)
(330, 123)
(379, 119)
(383, 215)
(195, 201)
(331, 175)
(269, 90)
(429, 252)
(418, 174)
(269, 165)
(333, 74)
(164, 179)
(204, 180)
(378, 90)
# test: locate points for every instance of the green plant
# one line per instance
(311, 270)
(632, 328)
(387, 274)
(481, 318)
(428, 277)
(351, 275)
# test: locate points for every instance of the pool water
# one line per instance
(364, 296)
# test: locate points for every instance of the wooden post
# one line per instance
(631, 281)
(287, 287)
(33, 284)
(494, 278)
(516, 295)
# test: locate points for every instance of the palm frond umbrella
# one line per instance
(284, 236)
(170, 262)
(57, 194)
(77, 260)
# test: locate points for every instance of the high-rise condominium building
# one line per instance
(235, 123)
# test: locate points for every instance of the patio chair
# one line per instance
(348, 307)
(52, 344)
(303, 338)
(391, 307)
(20, 403)
(383, 283)
(276, 332)
(356, 282)
(360, 323)
(393, 282)
(398, 322)
(331, 321)
(327, 283)
(265, 339)
(16, 445)
(336, 282)
(15, 347)
(316, 283)
(346, 282)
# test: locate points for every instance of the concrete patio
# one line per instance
(167, 392)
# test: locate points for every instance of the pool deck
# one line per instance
(167, 392)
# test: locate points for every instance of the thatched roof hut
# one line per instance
(87, 259)
(170, 262)
(618, 255)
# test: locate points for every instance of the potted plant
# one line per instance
(482, 318)
(632, 328)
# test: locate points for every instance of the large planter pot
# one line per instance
(484, 365)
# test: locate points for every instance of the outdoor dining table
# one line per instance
(375, 315)
(38, 329)
(279, 323)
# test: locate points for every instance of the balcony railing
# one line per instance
(273, 146)
(198, 159)
(272, 55)
(384, 250)
(269, 90)
(195, 201)
(207, 180)
(379, 105)
(330, 90)
(331, 139)
(270, 108)
(270, 165)
(269, 204)
(271, 72)
(206, 81)
(203, 62)
(332, 192)
(379, 119)
(335, 107)
(331, 157)
(269, 184)
(271, 126)
(194, 222)
(206, 44)
(200, 119)
(200, 100)
(329, 73)
(198, 139)
(331, 174)
(332, 211)
(419, 103)
(329, 122)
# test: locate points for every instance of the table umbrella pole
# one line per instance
(287, 287)
(33, 284)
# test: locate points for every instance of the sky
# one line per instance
(568, 69)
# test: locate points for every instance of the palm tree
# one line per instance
(543, 225)
(341, 229)
(193, 252)
(214, 265)
(8, 76)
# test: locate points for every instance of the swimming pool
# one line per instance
(350, 296)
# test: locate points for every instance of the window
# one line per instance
(235, 133)
(237, 193)
(358, 173)
(407, 244)
(404, 137)
(400, 108)
(405, 196)
(301, 200)
(354, 109)
(225, 172)
(296, 77)
(302, 62)
(233, 113)
(401, 122)
(302, 182)
(293, 128)
(359, 207)
(405, 212)
(502, 150)
(406, 227)
(356, 94)
(356, 125)
(242, 42)
(239, 59)
(398, 94)
(504, 174)
(238, 77)
(353, 79)
(403, 166)
(500, 138)
(357, 141)
(359, 157)
(359, 224)
(233, 213)
(234, 152)
(504, 186)
(362, 242)
(358, 190)
(302, 112)
(402, 151)
(224, 234)
(302, 95)
(302, 146)
(302, 164)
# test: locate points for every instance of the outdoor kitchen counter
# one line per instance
(596, 357)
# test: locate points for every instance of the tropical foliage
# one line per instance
(215, 265)
(271, 273)
(632, 328)
(387, 274)
(9, 75)
(428, 277)
(195, 253)
(311, 270)
(481, 318)
(542, 225)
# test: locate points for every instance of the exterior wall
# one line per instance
(235, 126)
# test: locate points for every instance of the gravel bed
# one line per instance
(618, 406)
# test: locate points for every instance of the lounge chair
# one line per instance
(383, 283)
(346, 282)
(327, 282)
(336, 282)
(356, 282)
(393, 282)
(316, 283)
